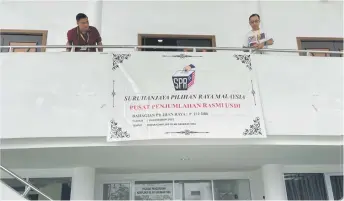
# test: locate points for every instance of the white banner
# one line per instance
(175, 95)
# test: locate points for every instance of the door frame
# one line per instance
(329, 185)
(43, 33)
(212, 38)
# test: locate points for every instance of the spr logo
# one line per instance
(184, 79)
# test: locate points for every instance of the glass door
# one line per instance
(193, 190)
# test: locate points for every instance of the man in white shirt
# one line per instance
(257, 37)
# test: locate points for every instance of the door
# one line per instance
(193, 190)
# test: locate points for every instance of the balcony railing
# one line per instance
(194, 49)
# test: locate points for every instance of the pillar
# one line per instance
(274, 184)
(83, 180)
(95, 13)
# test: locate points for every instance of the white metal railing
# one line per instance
(28, 186)
(194, 49)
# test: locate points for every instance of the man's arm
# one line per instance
(100, 49)
(246, 42)
(264, 44)
(98, 40)
(269, 42)
(69, 40)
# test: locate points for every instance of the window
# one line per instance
(56, 188)
(117, 191)
(334, 183)
(305, 186)
(23, 38)
(321, 44)
(232, 189)
(193, 190)
(337, 186)
(176, 40)
(154, 190)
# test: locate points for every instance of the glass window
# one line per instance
(193, 190)
(320, 44)
(176, 40)
(154, 190)
(15, 184)
(337, 187)
(232, 189)
(56, 188)
(118, 191)
(305, 186)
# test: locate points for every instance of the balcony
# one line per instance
(89, 112)
(76, 95)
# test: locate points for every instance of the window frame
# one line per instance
(212, 38)
(43, 33)
(327, 177)
(130, 182)
(299, 41)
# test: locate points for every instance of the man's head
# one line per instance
(82, 21)
(254, 21)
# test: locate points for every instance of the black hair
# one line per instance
(80, 16)
(255, 14)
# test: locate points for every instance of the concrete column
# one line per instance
(83, 183)
(274, 184)
(95, 13)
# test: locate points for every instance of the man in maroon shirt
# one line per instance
(84, 34)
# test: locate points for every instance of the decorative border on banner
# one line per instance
(181, 56)
(185, 132)
(245, 59)
(118, 59)
(116, 131)
(254, 128)
(253, 92)
(113, 93)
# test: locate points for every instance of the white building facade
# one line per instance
(56, 106)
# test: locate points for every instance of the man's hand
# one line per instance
(68, 49)
(260, 46)
(187, 68)
(100, 49)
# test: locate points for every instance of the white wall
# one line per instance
(7, 193)
(290, 19)
(121, 21)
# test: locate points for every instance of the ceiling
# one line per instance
(168, 158)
